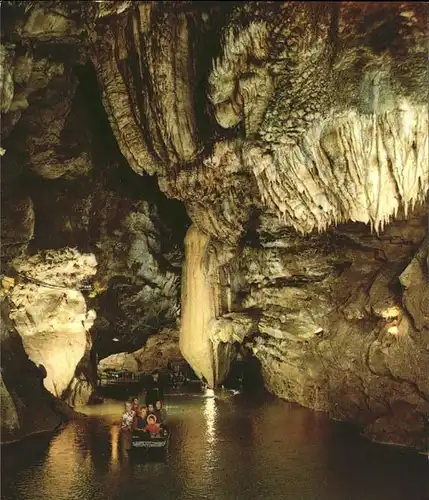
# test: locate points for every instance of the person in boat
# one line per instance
(154, 389)
(141, 419)
(160, 413)
(127, 417)
(177, 379)
(135, 405)
(152, 427)
(127, 424)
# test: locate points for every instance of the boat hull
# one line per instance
(141, 441)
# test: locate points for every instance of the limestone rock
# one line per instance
(199, 307)
(201, 342)
(23, 74)
(170, 83)
(415, 281)
(280, 77)
(50, 314)
(314, 351)
(119, 361)
(138, 270)
(9, 414)
(159, 349)
(48, 21)
(26, 406)
(17, 224)
(230, 328)
(404, 424)
(210, 192)
(296, 136)
(7, 87)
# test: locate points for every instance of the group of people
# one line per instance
(150, 417)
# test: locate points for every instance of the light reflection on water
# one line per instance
(210, 417)
(228, 448)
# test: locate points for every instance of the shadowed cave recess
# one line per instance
(218, 182)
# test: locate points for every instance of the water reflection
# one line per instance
(114, 443)
(228, 448)
(210, 416)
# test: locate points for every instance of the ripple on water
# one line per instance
(221, 448)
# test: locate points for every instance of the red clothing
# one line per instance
(152, 428)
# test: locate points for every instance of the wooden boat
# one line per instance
(143, 441)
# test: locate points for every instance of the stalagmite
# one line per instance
(295, 137)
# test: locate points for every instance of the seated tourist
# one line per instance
(160, 413)
(127, 423)
(141, 419)
(127, 418)
(152, 427)
(136, 405)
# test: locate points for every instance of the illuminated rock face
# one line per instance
(340, 317)
(199, 307)
(208, 353)
(333, 121)
(159, 350)
(283, 128)
(54, 322)
(26, 406)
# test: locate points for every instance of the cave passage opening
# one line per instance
(170, 215)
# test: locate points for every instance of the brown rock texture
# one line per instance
(73, 216)
(52, 318)
(26, 406)
(201, 302)
(337, 327)
(296, 136)
(159, 350)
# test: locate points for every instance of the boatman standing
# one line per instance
(154, 389)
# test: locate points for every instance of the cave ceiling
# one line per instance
(292, 135)
(314, 112)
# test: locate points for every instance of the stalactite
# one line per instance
(199, 307)
(365, 168)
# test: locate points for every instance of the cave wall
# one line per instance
(200, 305)
(323, 113)
(335, 329)
(299, 129)
(90, 250)
(296, 135)
(158, 352)
(54, 322)
(26, 406)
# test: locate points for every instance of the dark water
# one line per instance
(228, 448)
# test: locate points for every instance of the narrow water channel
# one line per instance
(232, 447)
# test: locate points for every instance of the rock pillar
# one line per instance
(200, 306)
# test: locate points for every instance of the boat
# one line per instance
(143, 441)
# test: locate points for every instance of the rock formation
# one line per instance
(296, 136)
(200, 307)
(158, 351)
(50, 314)
(26, 406)
(335, 330)
(83, 237)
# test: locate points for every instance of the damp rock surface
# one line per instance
(294, 138)
(159, 350)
